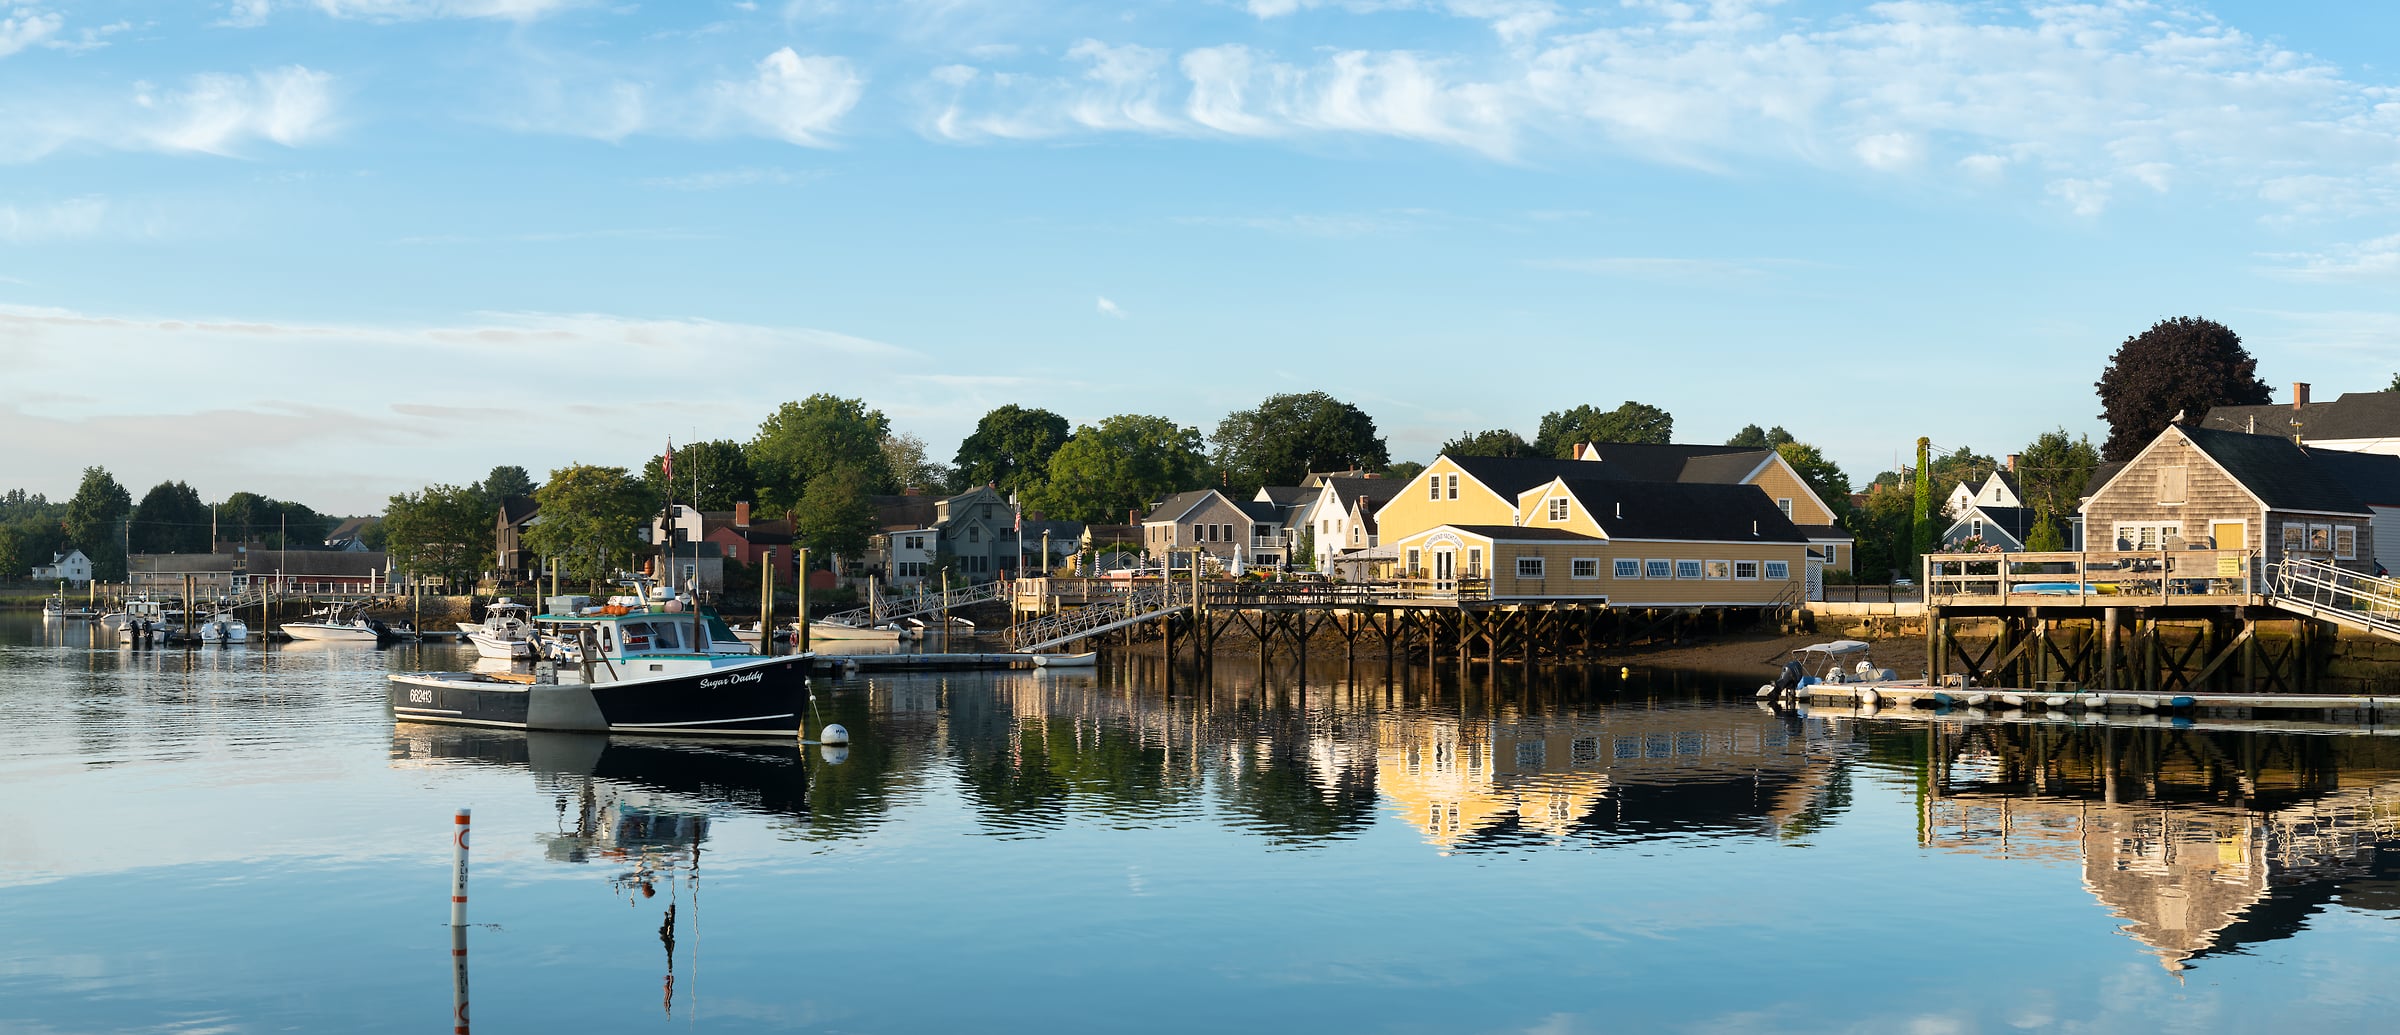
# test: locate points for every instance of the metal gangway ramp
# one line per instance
(1066, 627)
(2320, 589)
(886, 609)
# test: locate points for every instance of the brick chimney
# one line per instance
(1133, 517)
(741, 514)
(2299, 395)
(2011, 463)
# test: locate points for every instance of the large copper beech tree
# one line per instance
(2185, 364)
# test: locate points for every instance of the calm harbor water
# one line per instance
(242, 840)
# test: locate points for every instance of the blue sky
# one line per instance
(334, 249)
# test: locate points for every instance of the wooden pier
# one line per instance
(2150, 622)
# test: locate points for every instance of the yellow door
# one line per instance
(2230, 535)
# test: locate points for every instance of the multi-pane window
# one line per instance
(1687, 569)
(1745, 569)
(1454, 486)
(1558, 509)
(1584, 568)
(2345, 543)
(1529, 567)
(1779, 570)
(1658, 569)
(1628, 568)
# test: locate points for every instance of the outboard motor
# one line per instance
(1788, 680)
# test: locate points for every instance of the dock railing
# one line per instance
(2091, 578)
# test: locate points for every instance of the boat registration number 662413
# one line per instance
(420, 695)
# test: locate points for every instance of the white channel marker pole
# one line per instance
(458, 871)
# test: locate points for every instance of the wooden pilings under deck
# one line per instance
(1465, 632)
(2241, 648)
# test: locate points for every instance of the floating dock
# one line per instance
(921, 662)
(1877, 696)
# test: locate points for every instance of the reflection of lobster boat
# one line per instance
(1086, 659)
(653, 672)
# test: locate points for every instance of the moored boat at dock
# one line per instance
(505, 631)
(643, 672)
(335, 623)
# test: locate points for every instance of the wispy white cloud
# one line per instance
(2080, 102)
(26, 26)
(724, 179)
(2372, 260)
(1108, 308)
(88, 38)
(800, 99)
(209, 114)
(255, 12)
(72, 218)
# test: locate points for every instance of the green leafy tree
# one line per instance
(834, 518)
(505, 481)
(170, 519)
(1010, 449)
(1635, 422)
(1496, 442)
(270, 521)
(2052, 471)
(904, 453)
(591, 519)
(1403, 472)
(2182, 365)
(804, 439)
(1289, 435)
(1754, 437)
(1824, 477)
(443, 531)
(720, 469)
(93, 521)
(2047, 536)
(1304, 548)
(32, 531)
(1126, 462)
(2395, 385)
(1884, 529)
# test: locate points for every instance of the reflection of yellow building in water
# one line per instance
(1453, 779)
(2188, 878)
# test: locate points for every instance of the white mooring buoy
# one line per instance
(833, 735)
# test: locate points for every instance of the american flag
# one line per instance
(666, 464)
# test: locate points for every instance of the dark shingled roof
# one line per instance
(2374, 478)
(2101, 476)
(1286, 495)
(2354, 415)
(1177, 505)
(1516, 533)
(1673, 510)
(2277, 471)
(2016, 521)
(1619, 461)
(1263, 510)
(515, 509)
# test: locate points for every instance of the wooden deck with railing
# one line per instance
(2093, 578)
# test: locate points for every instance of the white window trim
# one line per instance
(1769, 570)
(1698, 569)
(2165, 530)
(1538, 570)
(2342, 534)
(1453, 486)
(1433, 486)
(1649, 562)
(1559, 510)
(1716, 571)
(1617, 570)
(1737, 571)
(1593, 561)
(1784, 503)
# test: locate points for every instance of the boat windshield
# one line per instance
(1836, 648)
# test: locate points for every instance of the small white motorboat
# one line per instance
(221, 628)
(885, 633)
(504, 631)
(1086, 659)
(331, 624)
